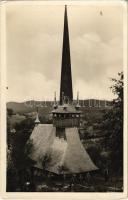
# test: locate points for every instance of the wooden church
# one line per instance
(57, 147)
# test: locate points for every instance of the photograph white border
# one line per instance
(53, 195)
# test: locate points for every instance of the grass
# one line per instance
(97, 184)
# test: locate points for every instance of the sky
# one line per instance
(34, 50)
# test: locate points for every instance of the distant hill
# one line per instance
(20, 107)
(30, 107)
(46, 107)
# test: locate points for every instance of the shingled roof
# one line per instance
(59, 155)
(66, 108)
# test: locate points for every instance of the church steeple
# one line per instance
(66, 76)
(66, 115)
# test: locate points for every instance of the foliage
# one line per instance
(113, 125)
(17, 152)
(26, 124)
(10, 111)
(94, 152)
(20, 148)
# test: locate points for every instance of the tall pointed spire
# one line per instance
(37, 121)
(78, 104)
(66, 76)
(55, 103)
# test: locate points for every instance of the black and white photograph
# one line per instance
(65, 97)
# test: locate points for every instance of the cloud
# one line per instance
(33, 85)
(98, 91)
(94, 60)
(34, 49)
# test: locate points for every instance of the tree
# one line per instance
(113, 125)
(10, 112)
(19, 153)
(18, 160)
